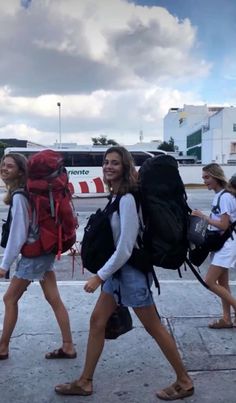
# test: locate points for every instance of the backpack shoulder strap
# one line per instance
(112, 206)
(19, 191)
(216, 209)
(196, 274)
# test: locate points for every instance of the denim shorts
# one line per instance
(34, 268)
(130, 287)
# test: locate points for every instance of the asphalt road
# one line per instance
(197, 198)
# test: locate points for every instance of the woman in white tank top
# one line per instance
(217, 276)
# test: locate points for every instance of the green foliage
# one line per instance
(102, 140)
(167, 146)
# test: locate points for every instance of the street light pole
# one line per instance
(59, 122)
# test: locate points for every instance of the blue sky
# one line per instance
(115, 66)
(215, 21)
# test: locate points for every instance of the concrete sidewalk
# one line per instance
(132, 368)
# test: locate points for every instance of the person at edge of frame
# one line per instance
(217, 276)
(13, 171)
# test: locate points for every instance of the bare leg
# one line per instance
(150, 320)
(213, 275)
(224, 282)
(11, 298)
(104, 307)
(51, 293)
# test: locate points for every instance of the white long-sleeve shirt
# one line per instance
(18, 230)
(125, 228)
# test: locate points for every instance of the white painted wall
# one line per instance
(216, 142)
(192, 174)
(193, 118)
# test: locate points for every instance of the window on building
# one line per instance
(233, 148)
(194, 139)
(197, 152)
(234, 127)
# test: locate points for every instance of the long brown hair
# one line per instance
(20, 181)
(130, 175)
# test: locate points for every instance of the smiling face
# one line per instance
(9, 170)
(113, 169)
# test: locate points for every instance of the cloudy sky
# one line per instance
(115, 66)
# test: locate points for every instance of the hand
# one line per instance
(93, 283)
(199, 213)
(2, 273)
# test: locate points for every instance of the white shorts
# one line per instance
(226, 256)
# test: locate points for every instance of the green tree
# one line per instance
(102, 140)
(168, 146)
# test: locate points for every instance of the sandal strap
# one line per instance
(87, 379)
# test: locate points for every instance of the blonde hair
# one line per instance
(216, 172)
(20, 180)
(129, 181)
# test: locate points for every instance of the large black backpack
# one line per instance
(165, 211)
(165, 215)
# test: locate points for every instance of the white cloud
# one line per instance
(91, 45)
(120, 115)
(108, 62)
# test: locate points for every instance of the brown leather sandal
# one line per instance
(72, 389)
(59, 354)
(220, 324)
(174, 392)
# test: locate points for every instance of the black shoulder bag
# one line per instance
(207, 240)
(120, 322)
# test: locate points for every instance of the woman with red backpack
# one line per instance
(13, 171)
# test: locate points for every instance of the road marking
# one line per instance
(82, 282)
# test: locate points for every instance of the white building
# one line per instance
(207, 132)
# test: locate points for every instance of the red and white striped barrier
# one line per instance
(95, 185)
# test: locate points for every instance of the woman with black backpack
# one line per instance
(122, 282)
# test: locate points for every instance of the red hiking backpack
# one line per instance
(51, 202)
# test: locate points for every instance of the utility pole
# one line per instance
(59, 122)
